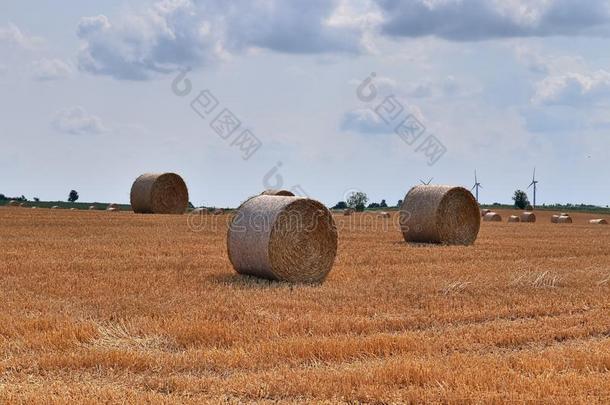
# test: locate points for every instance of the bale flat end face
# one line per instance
(303, 243)
(440, 214)
(159, 194)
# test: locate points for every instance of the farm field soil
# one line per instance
(118, 307)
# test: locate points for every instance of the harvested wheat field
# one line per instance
(147, 308)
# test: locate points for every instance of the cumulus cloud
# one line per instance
(50, 69)
(12, 36)
(572, 89)
(77, 121)
(372, 121)
(175, 33)
(471, 20)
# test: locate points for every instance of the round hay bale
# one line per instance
(383, 214)
(12, 203)
(55, 207)
(529, 207)
(284, 193)
(219, 211)
(290, 239)
(527, 217)
(485, 212)
(22, 204)
(112, 209)
(92, 207)
(34, 208)
(514, 218)
(159, 193)
(200, 211)
(564, 219)
(440, 214)
(348, 211)
(112, 205)
(72, 209)
(598, 222)
(555, 218)
(563, 214)
(492, 217)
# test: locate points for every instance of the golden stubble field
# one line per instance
(117, 307)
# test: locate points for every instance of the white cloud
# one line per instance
(77, 121)
(12, 36)
(174, 33)
(50, 69)
(368, 121)
(572, 89)
(471, 20)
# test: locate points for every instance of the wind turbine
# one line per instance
(534, 183)
(476, 186)
(428, 183)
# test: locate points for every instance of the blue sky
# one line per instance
(87, 99)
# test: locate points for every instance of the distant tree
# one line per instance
(36, 199)
(374, 205)
(73, 196)
(357, 200)
(399, 203)
(22, 198)
(341, 205)
(520, 199)
(2, 197)
(191, 206)
(383, 204)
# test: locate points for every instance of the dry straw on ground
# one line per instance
(290, 239)
(564, 219)
(527, 217)
(598, 222)
(159, 193)
(440, 214)
(492, 217)
(284, 193)
(514, 218)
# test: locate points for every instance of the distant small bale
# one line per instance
(529, 207)
(598, 222)
(22, 204)
(284, 193)
(55, 207)
(555, 218)
(72, 209)
(34, 208)
(563, 214)
(564, 219)
(440, 214)
(219, 211)
(200, 211)
(92, 207)
(112, 205)
(159, 193)
(348, 211)
(12, 203)
(112, 209)
(527, 217)
(383, 214)
(485, 212)
(291, 239)
(514, 218)
(492, 217)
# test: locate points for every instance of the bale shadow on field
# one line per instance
(246, 282)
